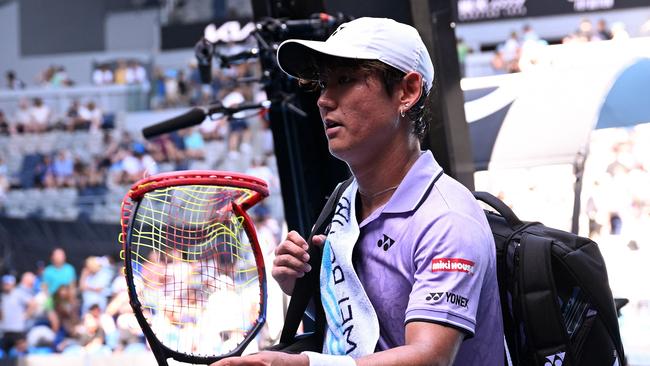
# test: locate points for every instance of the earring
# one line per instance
(403, 111)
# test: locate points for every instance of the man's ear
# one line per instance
(411, 89)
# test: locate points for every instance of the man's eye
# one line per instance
(322, 84)
(344, 79)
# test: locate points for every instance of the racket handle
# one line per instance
(190, 118)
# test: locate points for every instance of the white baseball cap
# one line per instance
(396, 44)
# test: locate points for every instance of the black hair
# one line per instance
(419, 114)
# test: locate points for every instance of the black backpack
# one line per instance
(555, 297)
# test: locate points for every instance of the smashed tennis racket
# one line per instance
(193, 265)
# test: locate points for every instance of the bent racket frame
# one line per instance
(255, 190)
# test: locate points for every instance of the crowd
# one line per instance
(173, 87)
(115, 157)
(55, 309)
(121, 72)
(618, 202)
(521, 50)
(37, 117)
(51, 76)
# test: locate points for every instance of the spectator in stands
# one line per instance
(38, 281)
(129, 335)
(172, 94)
(602, 31)
(80, 173)
(60, 77)
(23, 117)
(46, 75)
(40, 115)
(92, 115)
(102, 75)
(194, 143)
(41, 303)
(63, 314)
(585, 31)
(120, 73)
(15, 308)
(59, 273)
(73, 120)
(167, 148)
(183, 88)
(136, 165)
(63, 169)
(239, 134)
(44, 172)
(159, 92)
(176, 151)
(95, 174)
(508, 54)
(95, 329)
(266, 135)
(129, 73)
(13, 82)
(194, 82)
(6, 129)
(140, 73)
(94, 284)
(27, 281)
(528, 34)
(214, 129)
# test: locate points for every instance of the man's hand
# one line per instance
(291, 260)
(265, 359)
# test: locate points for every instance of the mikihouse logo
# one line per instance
(452, 265)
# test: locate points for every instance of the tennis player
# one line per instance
(408, 275)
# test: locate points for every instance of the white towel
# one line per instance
(352, 324)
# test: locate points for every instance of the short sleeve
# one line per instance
(451, 257)
(73, 273)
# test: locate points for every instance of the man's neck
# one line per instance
(379, 177)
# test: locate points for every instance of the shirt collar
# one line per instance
(415, 185)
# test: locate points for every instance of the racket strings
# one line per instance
(194, 268)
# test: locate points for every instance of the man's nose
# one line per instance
(326, 101)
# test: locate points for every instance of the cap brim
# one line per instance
(296, 57)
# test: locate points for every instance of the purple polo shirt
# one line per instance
(429, 255)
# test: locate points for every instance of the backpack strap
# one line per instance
(501, 208)
(308, 286)
(538, 296)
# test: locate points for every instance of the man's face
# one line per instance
(28, 280)
(58, 257)
(7, 286)
(359, 116)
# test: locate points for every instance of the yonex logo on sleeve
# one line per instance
(450, 297)
(452, 265)
(435, 296)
